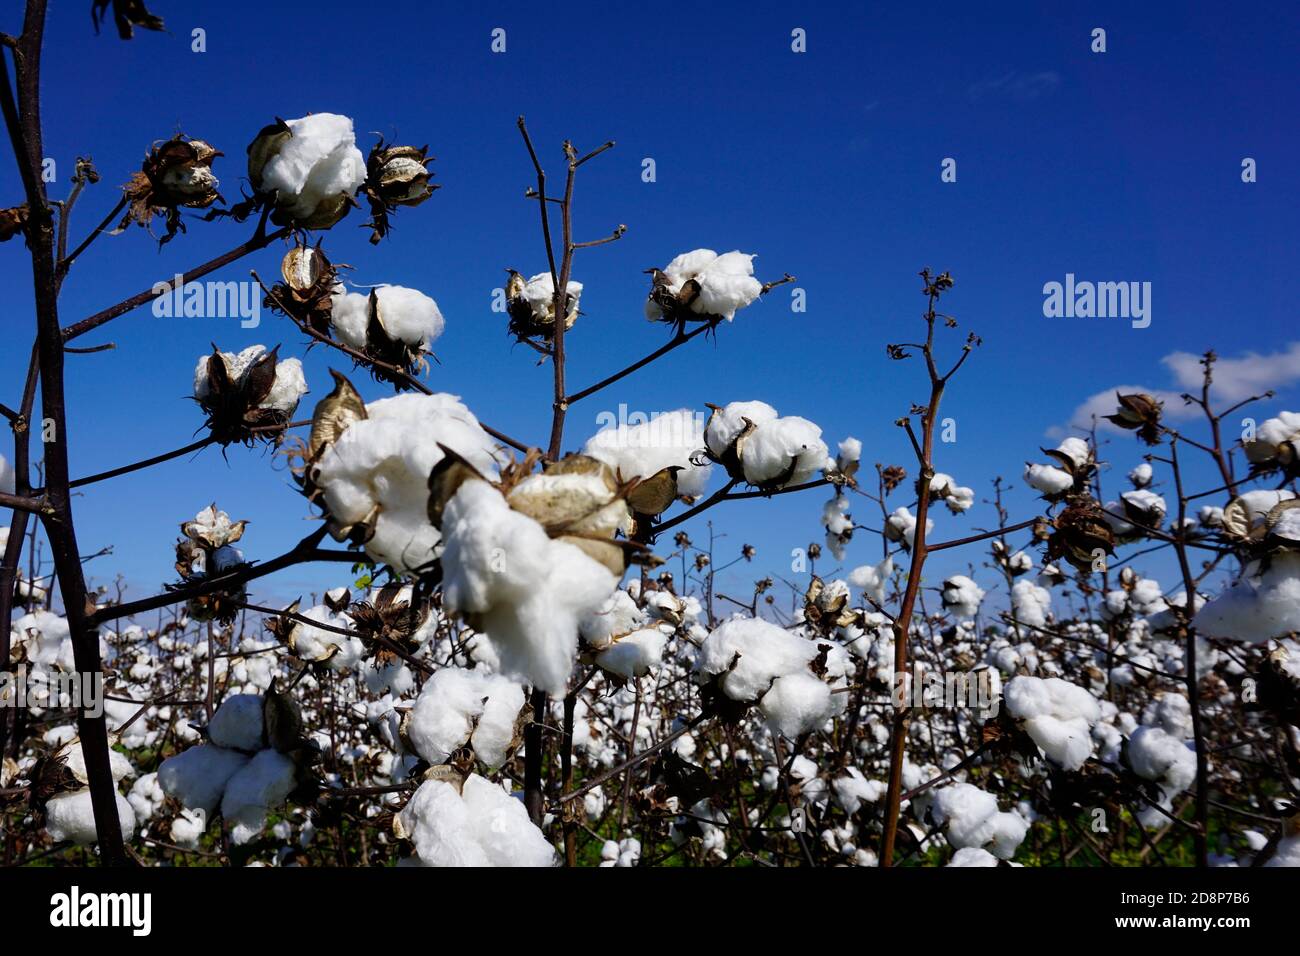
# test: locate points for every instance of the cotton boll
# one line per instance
(962, 597)
(1262, 604)
(315, 167)
(480, 826)
(901, 527)
(852, 790)
(188, 827)
(972, 856)
(457, 706)
(635, 654)
(618, 615)
(197, 777)
(264, 782)
(972, 819)
(539, 293)
(379, 470)
(787, 451)
(726, 424)
(526, 592)
(1141, 476)
(1032, 604)
(689, 264)
(312, 643)
(727, 284)
(75, 760)
(642, 450)
(145, 797)
(1156, 755)
(873, 579)
(237, 724)
(796, 704)
(70, 818)
(1048, 480)
(408, 315)
(1057, 715)
(350, 317)
(765, 653)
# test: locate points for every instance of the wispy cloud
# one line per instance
(1235, 379)
(1014, 85)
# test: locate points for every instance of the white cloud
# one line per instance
(1235, 379)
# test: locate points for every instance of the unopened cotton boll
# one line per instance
(481, 825)
(458, 706)
(70, 818)
(522, 590)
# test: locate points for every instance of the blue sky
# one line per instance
(1116, 166)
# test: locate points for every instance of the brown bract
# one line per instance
(1081, 531)
(175, 175)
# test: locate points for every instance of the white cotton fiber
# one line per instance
(408, 315)
(481, 826)
(237, 724)
(197, 777)
(796, 704)
(264, 782)
(760, 651)
(525, 592)
(1264, 603)
(69, 817)
(318, 162)
(1057, 715)
(380, 466)
(642, 450)
(457, 706)
(635, 654)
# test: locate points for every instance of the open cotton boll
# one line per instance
(75, 759)
(458, 706)
(70, 818)
(635, 654)
(643, 449)
(379, 467)
(1141, 475)
(728, 422)
(618, 615)
(1031, 603)
(312, 643)
(1262, 604)
(539, 293)
(525, 592)
(761, 652)
(286, 391)
(145, 797)
(971, 818)
(318, 163)
(796, 704)
(1156, 755)
(1273, 433)
(727, 284)
(264, 782)
(482, 825)
(197, 777)
(1048, 480)
(972, 856)
(873, 579)
(1076, 449)
(1057, 715)
(852, 790)
(408, 315)
(788, 450)
(962, 596)
(237, 724)
(350, 316)
(901, 527)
